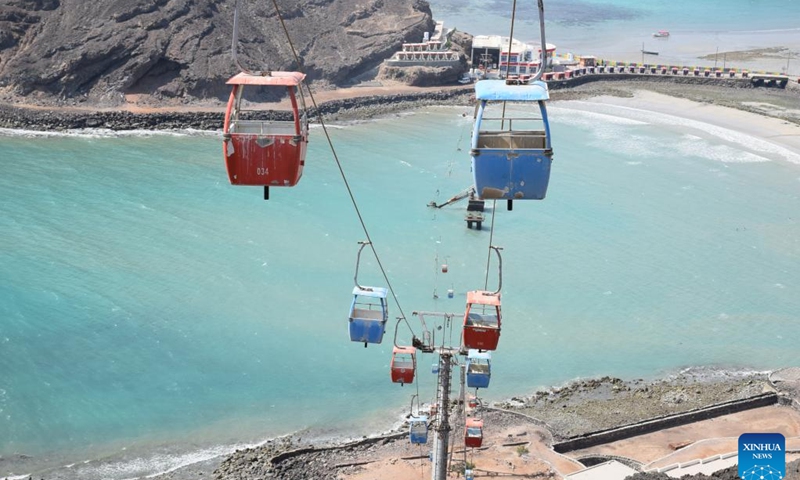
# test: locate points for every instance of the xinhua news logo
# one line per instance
(762, 456)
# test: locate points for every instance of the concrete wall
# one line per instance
(667, 421)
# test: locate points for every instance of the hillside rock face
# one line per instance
(100, 50)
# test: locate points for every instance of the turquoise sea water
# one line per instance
(151, 315)
(572, 15)
(618, 29)
(154, 315)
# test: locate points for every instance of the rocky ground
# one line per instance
(598, 404)
(752, 54)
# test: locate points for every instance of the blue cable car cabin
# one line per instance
(511, 155)
(368, 314)
(479, 369)
(418, 430)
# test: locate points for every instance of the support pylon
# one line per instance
(442, 428)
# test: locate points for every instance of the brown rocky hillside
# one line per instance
(95, 51)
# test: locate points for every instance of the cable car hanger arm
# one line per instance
(358, 262)
(235, 45)
(543, 61)
(499, 269)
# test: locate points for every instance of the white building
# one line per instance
(432, 51)
(492, 52)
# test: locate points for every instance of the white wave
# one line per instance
(721, 153)
(16, 477)
(106, 133)
(609, 129)
(333, 126)
(153, 466)
(590, 118)
(741, 148)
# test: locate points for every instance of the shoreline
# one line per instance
(599, 400)
(560, 412)
(359, 103)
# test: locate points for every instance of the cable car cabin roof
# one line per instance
(498, 90)
(284, 79)
(376, 292)
(478, 355)
(483, 297)
(474, 423)
(409, 350)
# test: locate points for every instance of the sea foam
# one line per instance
(744, 148)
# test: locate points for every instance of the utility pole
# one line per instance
(716, 55)
(442, 429)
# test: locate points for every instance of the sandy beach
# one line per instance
(766, 119)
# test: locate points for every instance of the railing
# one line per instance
(611, 67)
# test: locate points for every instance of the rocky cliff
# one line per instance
(98, 51)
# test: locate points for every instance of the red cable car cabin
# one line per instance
(404, 363)
(482, 320)
(265, 152)
(473, 433)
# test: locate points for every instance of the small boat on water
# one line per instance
(661, 33)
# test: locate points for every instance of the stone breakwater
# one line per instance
(358, 107)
